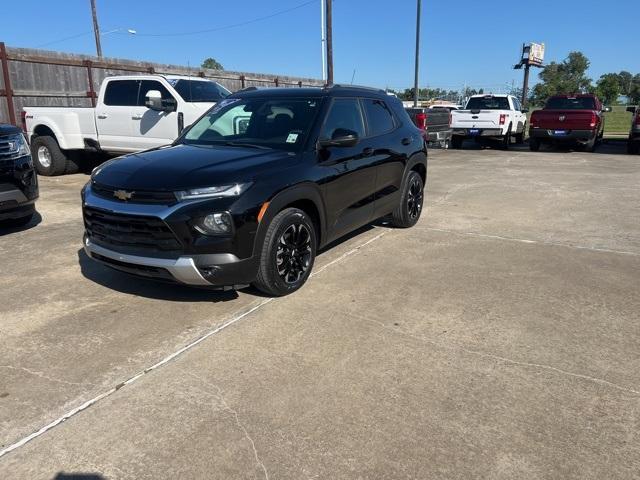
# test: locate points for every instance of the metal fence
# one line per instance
(44, 78)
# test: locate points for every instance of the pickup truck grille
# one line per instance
(122, 230)
(137, 196)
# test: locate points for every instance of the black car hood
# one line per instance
(182, 167)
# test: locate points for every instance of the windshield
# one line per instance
(488, 103)
(575, 103)
(200, 90)
(278, 123)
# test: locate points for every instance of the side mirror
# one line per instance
(341, 138)
(631, 109)
(606, 109)
(153, 101)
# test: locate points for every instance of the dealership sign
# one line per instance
(536, 54)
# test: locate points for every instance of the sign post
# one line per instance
(532, 55)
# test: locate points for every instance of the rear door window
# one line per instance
(122, 93)
(379, 117)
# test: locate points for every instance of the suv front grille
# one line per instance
(7, 148)
(137, 196)
(122, 230)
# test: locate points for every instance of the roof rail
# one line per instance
(359, 87)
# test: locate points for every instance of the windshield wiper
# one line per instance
(248, 145)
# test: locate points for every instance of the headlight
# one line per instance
(213, 192)
(215, 224)
(18, 145)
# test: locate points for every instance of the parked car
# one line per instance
(132, 113)
(633, 144)
(435, 123)
(256, 186)
(489, 116)
(18, 179)
(568, 119)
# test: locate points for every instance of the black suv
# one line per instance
(252, 189)
(18, 180)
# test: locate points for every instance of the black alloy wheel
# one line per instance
(293, 255)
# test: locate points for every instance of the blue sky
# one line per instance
(476, 42)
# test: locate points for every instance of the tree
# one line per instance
(634, 91)
(212, 63)
(625, 79)
(608, 88)
(568, 76)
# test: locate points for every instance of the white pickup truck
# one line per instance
(132, 113)
(489, 116)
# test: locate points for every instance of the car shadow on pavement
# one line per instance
(37, 218)
(133, 285)
(78, 476)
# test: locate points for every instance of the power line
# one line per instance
(63, 39)
(234, 25)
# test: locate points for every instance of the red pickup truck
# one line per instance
(576, 119)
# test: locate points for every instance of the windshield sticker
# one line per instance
(223, 103)
(292, 138)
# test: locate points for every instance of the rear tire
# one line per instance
(520, 136)
(456, 142)
(49, 158)
(633, 148)
(407, 213)
(288, 253)
(506, 140)
(534, 144)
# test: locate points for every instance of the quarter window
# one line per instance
(379, 117)
(121, 93)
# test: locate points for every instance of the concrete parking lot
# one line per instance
(498, 339)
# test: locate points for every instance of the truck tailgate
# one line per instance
(470, 119)
(563, 119)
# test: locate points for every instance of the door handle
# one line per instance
(367, 152)
(407, 141)
(136, 117)
(102, 116)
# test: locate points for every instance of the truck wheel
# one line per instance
(47, 156)
(534, 144)
(288, 253)
(456, 142)
(506, 140)
(407, 213)
(633, 148)
(520, 136)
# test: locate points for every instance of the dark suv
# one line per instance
(18, 180)
(252, 189)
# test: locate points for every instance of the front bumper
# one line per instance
(544, 134)
(218, 269)
(478, 132)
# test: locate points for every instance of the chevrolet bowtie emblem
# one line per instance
(122, 195)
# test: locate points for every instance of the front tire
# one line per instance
(49, 159)
(288, 253)
(407, 213)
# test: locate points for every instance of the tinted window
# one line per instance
(199, 90)
(488, 103)
(579, 103)
(379, 117)
(272, 122)
(121, 92)
(147, 85)
(344, 117)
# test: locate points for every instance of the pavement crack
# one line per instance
(502, 359)
(225, 406)
(43, 376)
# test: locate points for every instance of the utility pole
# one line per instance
(323, 47)
(415, 81)
(96, 28)
(329, 39)
(525, 85)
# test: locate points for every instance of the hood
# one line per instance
(181, 167)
